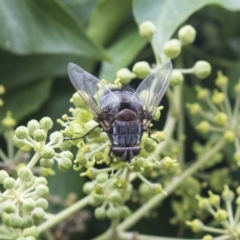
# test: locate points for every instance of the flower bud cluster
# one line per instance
(218, 116)
(222, 214)
(23, 203)
(35, 136)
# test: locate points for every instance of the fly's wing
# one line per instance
(152, 89)
(92, 91)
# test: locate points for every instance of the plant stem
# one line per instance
(34, 160)
(154, 201)
(63, 214)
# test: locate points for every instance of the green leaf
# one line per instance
(33, 27)
(23, 101)
(123, 52)
(168, 15)
(106, 19)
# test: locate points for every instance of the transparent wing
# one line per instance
(152, 90)
(92, 91)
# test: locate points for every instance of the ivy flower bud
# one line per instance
(40, 180)
(237, 87)
(221, 118)
(98, 189)
(202, 92)
(46, 123)
(37, 214)
(39, 135)
(55, 137)
(9, 207)
(144, 190)
(187, 34)
(159, 135)
(100, 213)
(42, 190)
(147, 29)
(47, 152)
(124, 211)
(46, 163)
(141, 69)
(3, 175)
(237, 158)
(115, 197)
(113, 213)
(228, 136)
(203, 203)
(9, 183)
(2, 89)
(221, 79)
(202, 69)
(15, 221)
(218, 97)
(29, 204)
(78, 101)
(172, 48)
(150, 145)
(207, 237)
(158, 189)
(25, 174)
(214, 199)
(203, 127)
(65, 145)
(64, 164)
(8, 121)
(88, 187)
(125, 75)
(17, 142)
(21, 132)
(102, 177)
(121, 183)
(27, 222)
(196, 225)
(67, 154)
(97, 199)
(221, 215)
(227, 194)
(193, 108)
(32, 126)
(42, 203)
(89, 126)
(177, 78)
(32, 231)
(169, 163)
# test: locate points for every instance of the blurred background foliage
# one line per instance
(39, 38)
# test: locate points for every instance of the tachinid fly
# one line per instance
(124, 114)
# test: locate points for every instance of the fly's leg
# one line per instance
(149, 135)
(109, 155)
(83, 135)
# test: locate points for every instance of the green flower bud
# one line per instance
(98, 189)
(46, 163)
(27, 221)
(29, 204)
(113, 213)
(65, 145)
(47, 152)
(221, 118)
(102, 177)
(203, 127)
(9, 183)
(32, 126)
(169, 163)
(221, 215)
(147, 29)
(88, 187)
(125, 75)
(193, 108)
(177, 78)
(221, 79)
(21, 132)
(100, 213)
(15, 221)
(157, 114)
(202, 92)
(141, 69)
(237, 87)
(150, 145)
(5, 218)
(32, 231)
(98, 199)
(37, 214)
(121, 183)
(42, 190)
(237, 158)
(40, 180)
(3, 175)
(124, 211)
(67, 154)
(25, 174)
(8, 121)
(159, 135)
(186, 34)
(202, 69)
(89, 126)
(39, 135)
(214, 199)
(78, 101)
(64, 164)
(228, 136)
(203, 203)
(227, 194)
(128, 192)
(2, 89)
(9, 207)
(17, 142)
(81, 158)
(218, 97)
(46, 123)
(207, 237)
(195, 225)
(55, 137)
(158, 189)
(238, 200)
(145, 191)
(115, 197)
(42, 203)
(83, 116)
(172, 48)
